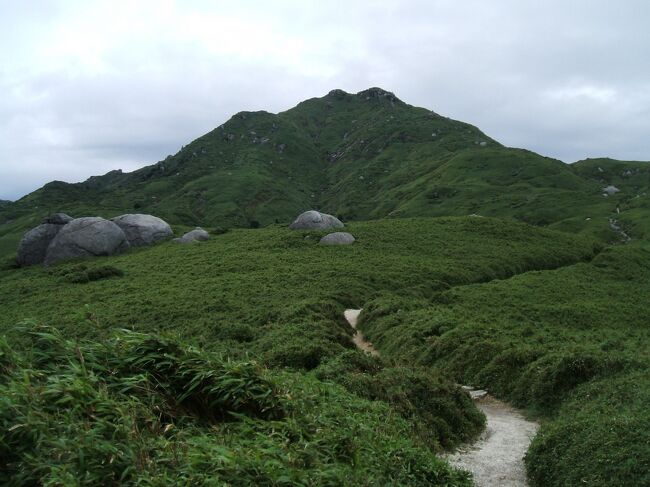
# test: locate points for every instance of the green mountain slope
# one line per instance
(632, 204)
(361, 156)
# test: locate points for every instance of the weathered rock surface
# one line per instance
(58, 219)
(315, 220)
(86, 237)
(196, 235)
(611, 190)
(33, 246)
(143, 229)
(337, 238)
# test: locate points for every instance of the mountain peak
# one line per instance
(378, 93)
(338, 93)
(362, 155)
(374, 93)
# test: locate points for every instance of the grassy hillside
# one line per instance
(243, 364)
(570, 344)
(633, 180)
(361, 156)
(230, 362)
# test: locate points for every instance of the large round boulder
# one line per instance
(86, 237)
(337, 238)
(315, 220)
(143, 229)
(196, 235)
(34, 244)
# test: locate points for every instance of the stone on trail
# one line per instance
(143, 229)
(86, 237)
(337, 238)
(315, 220)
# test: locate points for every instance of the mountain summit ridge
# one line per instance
(367, 155)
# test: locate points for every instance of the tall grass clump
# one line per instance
(140, 409)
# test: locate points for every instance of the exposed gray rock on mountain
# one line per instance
(143, 229)
(58, 219)
(196, 235)
(33, 246)
(337, 238)
(86, 237)
(315, 220)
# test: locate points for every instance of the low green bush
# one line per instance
(442, 414)
(569, 345)
(81, 273)
(600, 437)
(139, 409)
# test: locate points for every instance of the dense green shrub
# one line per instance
(546, 382)
(601, 437)
(141, 410)
(82, 273)
(570, 345)
(441, 413)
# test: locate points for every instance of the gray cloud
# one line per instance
(93, 86)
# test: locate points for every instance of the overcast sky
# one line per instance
(90, 86)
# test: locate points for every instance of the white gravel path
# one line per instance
(496, 459)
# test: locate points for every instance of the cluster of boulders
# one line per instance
(61, 237)
(315, 220)
(86, 237)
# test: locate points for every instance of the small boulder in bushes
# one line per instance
(315, 220)
(337, 238)
(196, 235)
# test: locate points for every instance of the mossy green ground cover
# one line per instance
(571, 345)
(271, 297)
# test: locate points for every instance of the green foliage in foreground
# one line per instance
(141, 410)
(569, 344)
(442, 414)
(276, 297)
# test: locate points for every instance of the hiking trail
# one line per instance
(496, 459)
